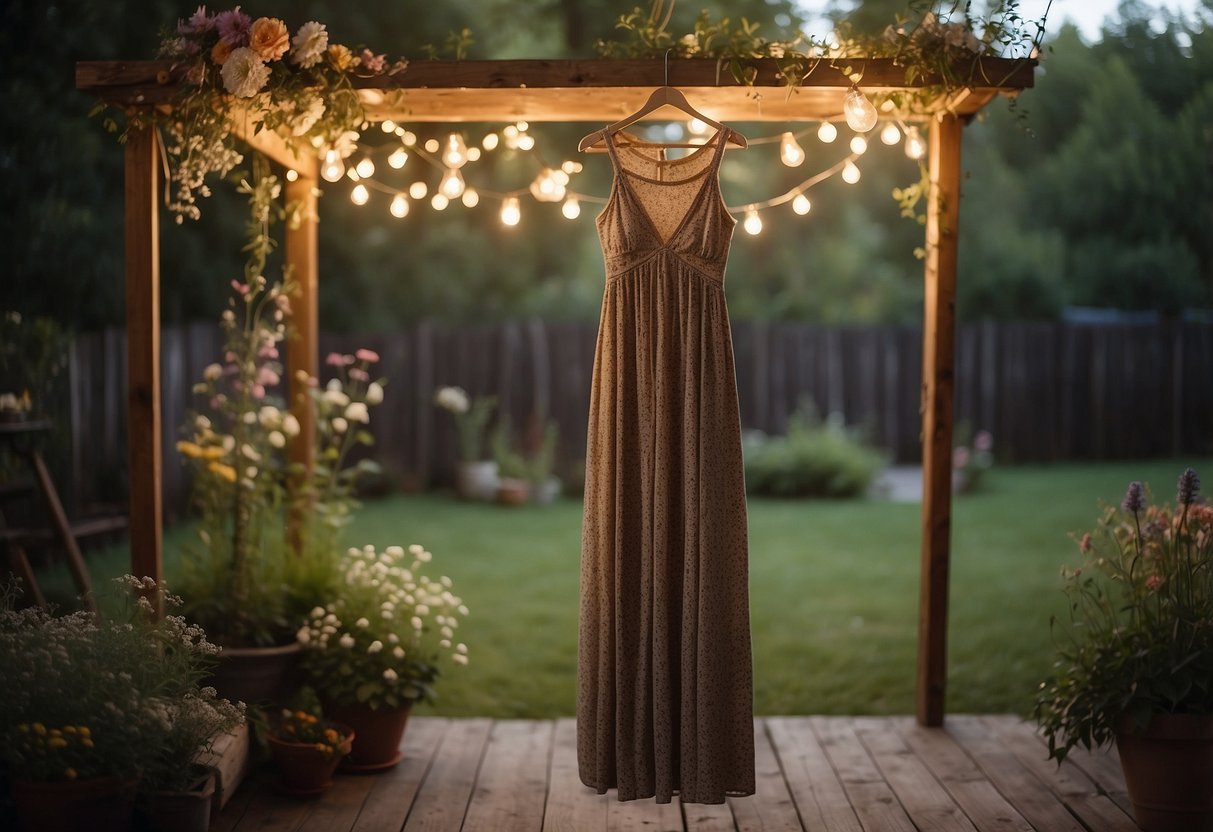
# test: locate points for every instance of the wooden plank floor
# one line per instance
(834, 774)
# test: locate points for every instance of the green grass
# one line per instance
(833, 588)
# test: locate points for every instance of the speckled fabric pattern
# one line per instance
(665, 680)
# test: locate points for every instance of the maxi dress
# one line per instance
(665, 677)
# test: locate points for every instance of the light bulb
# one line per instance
(291, 174)
(470, 198)
(571, 208)
(859, 145)
(360, 194)
(398, 158)
(451, 185)
(510, 131)
(431, 145)
(418, 190)
(439, 201)
(827, 132)
(399, 206)
(409, 138)
(571, 167)
(387, 126)
(473, 153)
(522, 126)
(365, 167)
(861, 115)
(850, 173)
(697, 127)
(916, 148)
(489, 142)
(890, 134)
(790, 152)
(454, 152)
(547, 187)
(526, 141)
(352, 174)
(753, 222)
(801, 204)
(511, 211)
(333, 168)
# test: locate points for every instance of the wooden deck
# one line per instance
(814, 773)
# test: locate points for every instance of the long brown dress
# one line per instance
(665, 682)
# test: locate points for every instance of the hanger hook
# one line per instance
(667, 65)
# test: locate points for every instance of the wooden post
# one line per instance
(938, 359)
(301, 255)
(143, 352)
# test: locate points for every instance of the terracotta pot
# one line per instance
(380, 732)
(103, 804)
(512, 492)
(187, 811)
(258, 675)
(476, 480)
(1169, 771)
(305, 771)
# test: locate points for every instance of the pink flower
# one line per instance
(334, 359)
(242, 288)
(268, 351)
(359, 374)
(983, 441)
(1084, 545)
(369, 356)
(960, 457)
(1153, 582)
(373, 62)
(198, 23)
(233, 27)
(230, 357)
(267, 377)
(258, 391)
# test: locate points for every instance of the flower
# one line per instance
(357, 412)
(269, 38)
(454, 399)
(369, 356)
(220, 52)
(340, 57)
(390, 675)
(372, 62)
(1134, 500)
(374, 393)
(233, 27)
(309, 43)
(1187, 488)
(346, 641)
(243, 73)
(305, 117)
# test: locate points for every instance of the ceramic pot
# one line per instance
(258, 675)
(185, 811)
(102, 804)
(476, 480)
(303, 770)
(512, 492)
(379, 734)
(1168, 769)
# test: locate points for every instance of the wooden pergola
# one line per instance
(595, 90)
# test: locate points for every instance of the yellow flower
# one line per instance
(39, 729)
(86, 742)
(55, 732)
(340, 57)
(56, 742)
(69, 773)
(227, 472)
(213, 452)
(330, 735)
(189, 449)
(84, 731)
(69, 729)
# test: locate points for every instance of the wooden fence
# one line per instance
(1049, 391)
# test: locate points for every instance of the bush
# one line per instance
(814, 459)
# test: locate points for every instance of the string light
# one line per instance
(365, 167)
(861, 115)
(452, 184)
(333, 167)
(291, 174)
(473, 153)
(398, 158)
(801, 204)
(916, 148)
(827, 132)
(418, 190)
(352, 174)
(409, 138)
(431, 145)
(526, 141)
(890, 135)
(850, 173)
(571, 166)
(470, 198)
(571, 208)
(399, 206)
(360, 194)
(548, 186)
(439, 202)
(753, 222)
(859, 145)
(489, 142)
(387, 126)
(697, 127)
(454, 152)
(790, 152)
(511, 211)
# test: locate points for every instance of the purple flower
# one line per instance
(233, 27)
(1134, 500)
(198, 23)
(1189, 487)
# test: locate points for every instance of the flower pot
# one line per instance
(512, 492)
(305, 771)
(102, 804)
(1168, 770)
(187, 811)
(546, 491)
(379, 732)
(257, 675)
(476, 480)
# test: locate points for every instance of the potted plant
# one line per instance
(98, 710)
(1136, 663)
(307, 750)
(512, 487)
(375, 650)
(544, 485)
(475, 476)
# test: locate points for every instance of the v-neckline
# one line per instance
(622, 174)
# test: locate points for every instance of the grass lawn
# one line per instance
(833, 589)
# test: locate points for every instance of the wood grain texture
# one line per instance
(393, 792)
(874, 802)
(443, 800)
(571, 806)
(770, 808)
(512, 784)
(821, 800)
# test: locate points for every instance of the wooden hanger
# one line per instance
(661, 97)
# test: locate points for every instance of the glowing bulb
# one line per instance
(859, 145)
(850, 173)
(827, 132)
(571, 208)
(291, 174)
(697, 127)
(511, 211)
(360, 194)
(473, 153)
(398, 158)
(526, 141)
(454, 152)
(916, 148)
(439, 202)
(399, 206)
(387, 126)
(409, 138)
(571, 167)
(522, 126)
(861, 115)
(801, 204)
(510, 131)
(489, 142)
(790, 152)
(451, 185)
(418, 190)
(333, 168)
(365, 167)
(352, 173)
(753, 222)
(547, 186)
(890, 134)
(470, 198)
(431, 145)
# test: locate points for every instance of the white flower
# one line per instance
(394, 552)
(374, 393)
(244, 73)
(309, 43)
(346, 641)
(390, 675)
(454, 399)
(393, 638)
(463, 610)
(203, 423)
(330, 619)
(277, 439)
(375, 647)
(362, 623)
(690, 43)
(269, 416)
(461, 648)
(249, 417)
(340, 425)
(446, 642)
(250, 452)
(307, 116)
(212, 372)
(425, 557)
(317, 612)
(398, 652)
(416, 549)
(387, 615)
(416, 622)
(336, 397)
(459, 658)
(304, 635)
(290, 425)
(357, 412)
(229, 316)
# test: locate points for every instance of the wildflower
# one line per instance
(334, 359)
(374, 393)
(340, 57)
(225, 472)
(357, 412)
(309, 43)
(362, 623)
(243, 73)
(1154, 582)
(1134, 499)
(374, 647)
(346, 641)
(1085, 544)
(269, 38)
(390, 675)
(454, 399)
(277, 439)
(290, 425)
(301, 122)
(398, 652)
(373, 63)
(1188, 487)
(304, 635)
(233, 27)
(340, 425)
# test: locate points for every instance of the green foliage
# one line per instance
(813, 459)
(1140, 638)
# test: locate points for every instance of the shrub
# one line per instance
(813, 459)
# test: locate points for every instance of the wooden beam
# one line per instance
(302, 254)
(938, 360)
(267, 142)
(143, 352)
